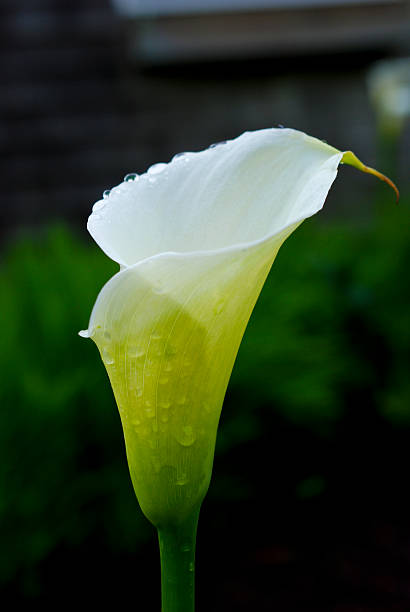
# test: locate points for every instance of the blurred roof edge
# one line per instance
(161, 8)
(303, 27)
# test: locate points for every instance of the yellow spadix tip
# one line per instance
(350, 159)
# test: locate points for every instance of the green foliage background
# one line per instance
(331, 320)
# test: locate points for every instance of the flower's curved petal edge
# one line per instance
(238, 192)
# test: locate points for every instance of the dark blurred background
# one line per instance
(308, 507)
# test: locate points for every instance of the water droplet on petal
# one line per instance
(170, 350)
(156, 168)
(99, 205)
(107, 357)
(181, 480)
(135, 352)
(280, 126)
(106, 193)
(84, 333)
(133, 176)
(186, 437)
(219, 306)
(216, 144)
(107, 335)
(180, 155)
(159, 289)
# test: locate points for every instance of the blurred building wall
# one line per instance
(83, 103)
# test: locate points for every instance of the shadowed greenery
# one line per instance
(330, 322)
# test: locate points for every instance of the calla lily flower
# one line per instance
(195, 240)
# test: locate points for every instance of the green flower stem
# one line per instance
(177, 548)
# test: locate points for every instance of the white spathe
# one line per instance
(195, 239)
(232, 194)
